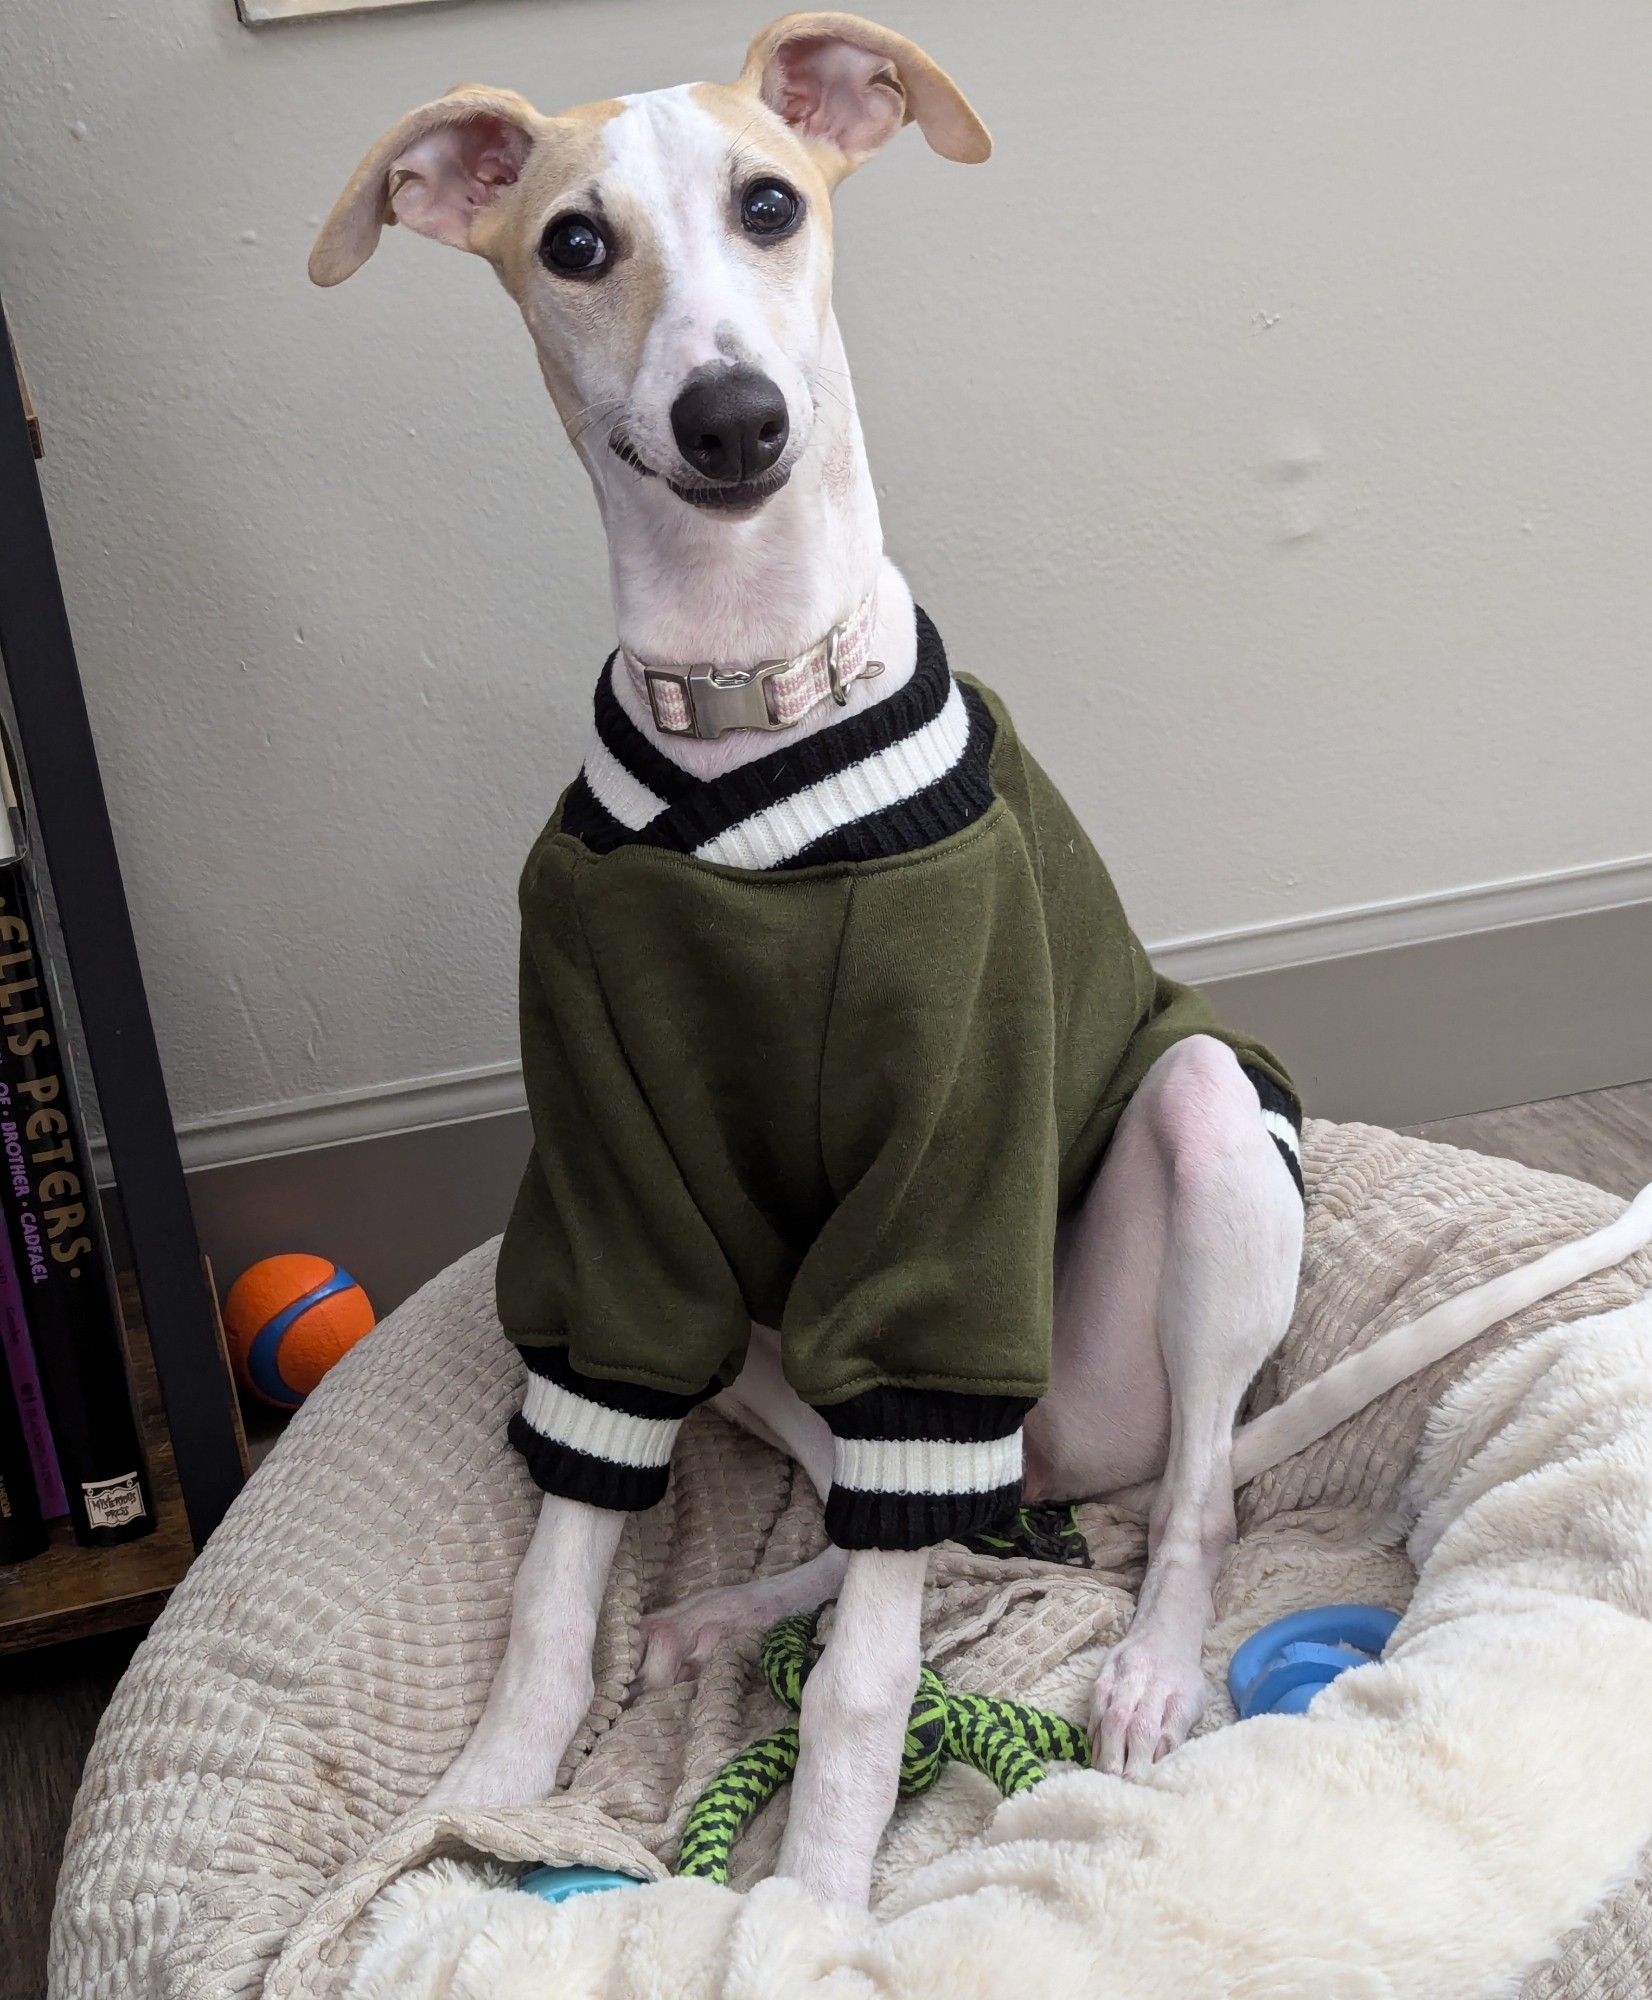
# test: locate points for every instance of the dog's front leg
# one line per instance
(543, 1686)
(852, 1726)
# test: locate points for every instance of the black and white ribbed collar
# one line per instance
(888, 779)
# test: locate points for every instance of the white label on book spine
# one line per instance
(111, 1503)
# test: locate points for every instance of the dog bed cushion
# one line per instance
(1467, 1818)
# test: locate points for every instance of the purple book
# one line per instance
(25, 1382)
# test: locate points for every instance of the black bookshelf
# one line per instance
(71, 831)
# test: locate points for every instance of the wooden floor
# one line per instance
(1604, 1136)
(50, 1702)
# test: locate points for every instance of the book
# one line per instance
(22, 1532)
(21, 1366)
(49, 1202)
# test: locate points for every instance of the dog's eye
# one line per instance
(770, 208)
(574, 245)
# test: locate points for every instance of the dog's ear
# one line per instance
(846, 86)
(439, 170)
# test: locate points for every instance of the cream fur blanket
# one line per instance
(1464, 1820)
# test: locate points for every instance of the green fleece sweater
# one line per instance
(829, 1044)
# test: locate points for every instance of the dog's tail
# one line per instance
(1349, 1384)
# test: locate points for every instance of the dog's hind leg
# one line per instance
(678, 1640)
(1176, 1282)
(543, 1687)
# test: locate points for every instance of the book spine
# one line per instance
(22, 1533)
(50, 1208)
(25, 1382)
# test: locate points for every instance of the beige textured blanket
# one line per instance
(326, 1657)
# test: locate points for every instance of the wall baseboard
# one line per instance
(1410, 920)
(1396, 1013)
(394, 1208)
(342, 1118)
(1451, 1025)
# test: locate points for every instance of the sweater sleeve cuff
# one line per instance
(1282, 1115)
(585, 1437)
(912, 1467)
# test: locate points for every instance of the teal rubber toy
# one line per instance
(1280, 1669)
(556, 1885)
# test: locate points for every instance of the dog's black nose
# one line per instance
(730, 423)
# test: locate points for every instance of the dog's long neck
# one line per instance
(690, 588)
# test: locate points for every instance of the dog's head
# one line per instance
(672, 252)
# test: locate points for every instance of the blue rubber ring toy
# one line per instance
(556, 1885)
(1280, 1669)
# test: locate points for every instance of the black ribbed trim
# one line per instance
(582, 815)
(1293, 1165)
(577, 1475)
(719, 803)
(590, 822)
(949, 1414)
(860, 1519)
(632, 1399)
(957, 799)
(1272, 1098)
(644, 760)
(573, 1475)
(914, 1520)
(697, 811)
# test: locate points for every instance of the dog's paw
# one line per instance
(678, 1642)
(1146, 1700)
(495, 1777)
(516, 1750)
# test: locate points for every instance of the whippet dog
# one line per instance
(671, 254)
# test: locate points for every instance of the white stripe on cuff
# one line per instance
(1285, 1132)
(926, 1465)
(642, 1443)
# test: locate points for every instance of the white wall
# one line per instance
(1270, 419)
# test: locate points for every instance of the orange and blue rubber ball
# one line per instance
(288, 1319)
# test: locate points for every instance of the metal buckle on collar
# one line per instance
(717, 698)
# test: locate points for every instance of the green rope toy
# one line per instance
(1004, 1740)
